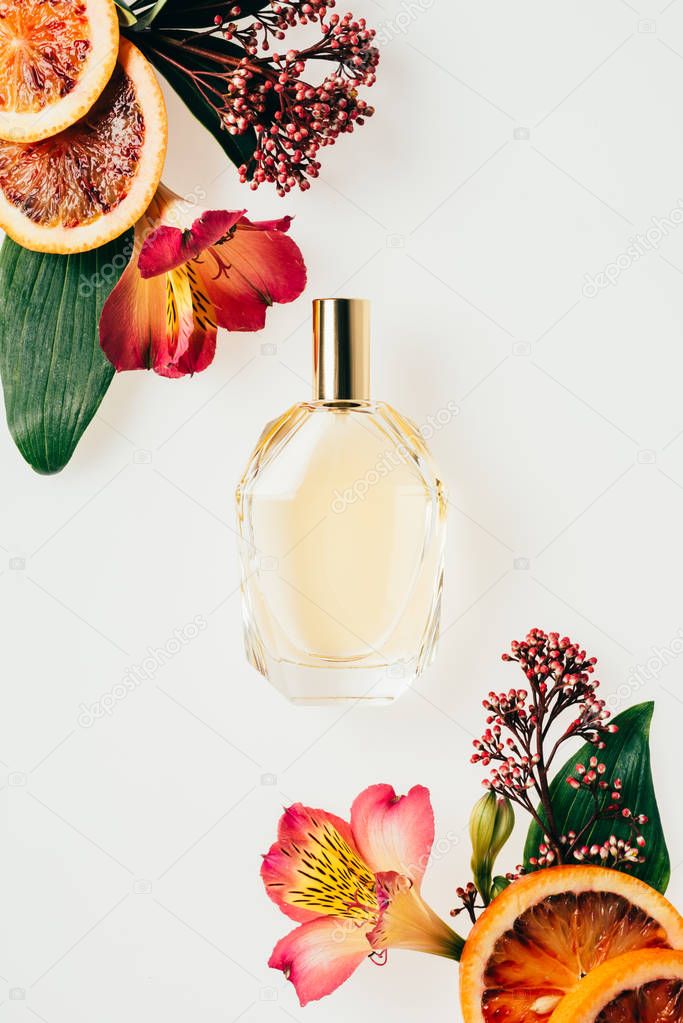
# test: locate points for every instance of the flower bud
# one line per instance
(491, 824)
(482, 825)
(504, 824)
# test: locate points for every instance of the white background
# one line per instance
(516, 148)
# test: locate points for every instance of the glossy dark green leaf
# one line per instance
(626, 756)
(186, 14)
(126, 17)
(166, 51)
(146, 19)
(54, 373)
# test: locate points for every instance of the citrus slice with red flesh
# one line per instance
(549, 929)
(56, 57)
(90, 183)
(639, 987)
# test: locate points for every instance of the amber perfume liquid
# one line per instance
(342, 524)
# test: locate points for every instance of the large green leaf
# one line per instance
(166, 52)
(146, 19)
(54, 373)
(126, 17)
(200, 13)
(626, 756)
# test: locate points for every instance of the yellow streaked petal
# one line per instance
(314, 869)
(202, 306)
(179, 318)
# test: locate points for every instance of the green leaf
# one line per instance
(165, 52)
(126, 17)
(626, 756)
(499, 885)
(146, 19)
(200, 13)
(54, 373)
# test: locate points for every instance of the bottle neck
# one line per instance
(341, 350)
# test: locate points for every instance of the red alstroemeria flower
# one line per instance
(354, 888)
(193, 275)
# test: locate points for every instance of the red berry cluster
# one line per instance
(309, 117)
(251, 87)
(606, 797)
(560, 677)
(270, 24)
(467, 895)
(525, 729)
(617, 853)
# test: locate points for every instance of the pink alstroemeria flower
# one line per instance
(191, 274)
(353, 888)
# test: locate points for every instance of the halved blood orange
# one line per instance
(639, 987)
(93, 181)
(56, 56)
(549, 929)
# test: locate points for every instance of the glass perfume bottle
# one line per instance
(342, 525)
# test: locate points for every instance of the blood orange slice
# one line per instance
(545, 932)
(90, 183)
(639, 987)
(56, 56)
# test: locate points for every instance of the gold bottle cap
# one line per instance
(341, 349)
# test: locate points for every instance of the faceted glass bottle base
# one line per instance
(319, 687)
(342, 523)
(320, 684)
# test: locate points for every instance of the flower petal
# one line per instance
(314, 870)
(179, 320)
(201, 347)
(133, 321)
(173, 371)
(394, 832)
(250, 271)
(319, 956)
(168, 247)
(280, 224)
(406, 921)
(200, 353)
